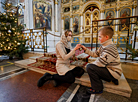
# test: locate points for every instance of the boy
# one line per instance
(107, 67)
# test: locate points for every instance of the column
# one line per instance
(71, 25)
(62, 24)
(91, 22)
(0, 6)
(26, 14)
(117, 21)
(56, 16)
(81, 30)
(30, 14)
(81, 23)
(133, 37)
(102, 16)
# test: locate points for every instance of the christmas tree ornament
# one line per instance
(8, 27)
(8, 4)
(9, 44)
(9, 31)
(13, 28)
(18, 43)
(5, 28)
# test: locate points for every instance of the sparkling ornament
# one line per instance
(13, 28)
(9, 44)
(5, 28)
(9, 31)
(9, 4)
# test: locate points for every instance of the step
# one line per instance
(122, 89)
(24, 63)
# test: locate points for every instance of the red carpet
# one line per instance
(23, 88)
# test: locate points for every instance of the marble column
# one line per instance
(62, 24)
(81, 23)
(81, 30)
(117, 21)
(56, 16)
(91, 23)
(71, 25)
(102, 16)
(0, 7)
(136, 43)
(30, 14)
(26, 14)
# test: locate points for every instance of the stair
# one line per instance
(36, 64)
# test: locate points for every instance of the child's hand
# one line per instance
(77, 47)
(83, 47)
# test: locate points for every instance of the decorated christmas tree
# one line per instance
(12, 42)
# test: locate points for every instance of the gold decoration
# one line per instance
(87, 40)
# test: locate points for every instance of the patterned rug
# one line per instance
(48, 61)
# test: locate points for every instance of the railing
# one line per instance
(36, 38)
(124, 34)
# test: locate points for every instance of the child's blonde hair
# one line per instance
(107, 31)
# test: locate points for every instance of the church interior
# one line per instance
(39, 26)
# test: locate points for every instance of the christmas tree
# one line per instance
(12, 42)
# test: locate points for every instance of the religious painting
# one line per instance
(76, 7)
(66, 1)
(42, 14)
(21, 1)
(66, 23)
(86, 0)
(20, 10)
(67, 9)
(110, 1)
(21, 20)
(110, 14)
(76, 20)
(76, 40)
(124, 22)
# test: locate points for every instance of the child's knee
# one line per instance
(89, 67)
